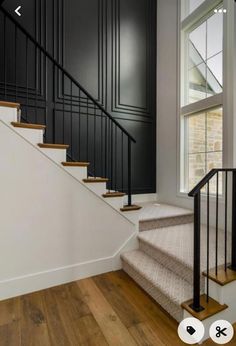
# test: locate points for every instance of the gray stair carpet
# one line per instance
(167, 288)
(173, 248)
(163, 265)
(154, 215)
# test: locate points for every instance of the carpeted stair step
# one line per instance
(173, 248)
(165, 287)
(156, 215)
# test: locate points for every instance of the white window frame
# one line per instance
(224, 99)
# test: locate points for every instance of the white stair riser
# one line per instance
(79, 173)
(98, 188)
(57, 155)
(8, 114)
(223, 294)
(32, 135)
(115, 202)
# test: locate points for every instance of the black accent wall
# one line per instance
(109, 46)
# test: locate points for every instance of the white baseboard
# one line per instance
(35, 282)
(18, 286)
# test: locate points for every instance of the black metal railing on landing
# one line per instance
(224, 176)
(49, 95)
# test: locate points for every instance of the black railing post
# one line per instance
(233, 260)
(129, 173)
(197, 254)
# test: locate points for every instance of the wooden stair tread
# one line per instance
(211, 308)
(131, 208)
(53, 146)
(95, 180)
(223, 277)
(113, 194)
(75, 164)
(9, 104)
(28, 126)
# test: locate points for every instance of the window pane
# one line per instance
(188, 6)
(214, 160)
(197, 83)
(203, 75)
(198, 38)
(196, 133)
(196, 169)
(215, 132)
(214, 34)
(215, 73)
(204, 146)
(193, 4)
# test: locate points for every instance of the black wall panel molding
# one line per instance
(143, 53)
(109, 46)
(92, 26)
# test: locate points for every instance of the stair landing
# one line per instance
(155, 215)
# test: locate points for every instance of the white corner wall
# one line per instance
(167, 101)
(52, 228)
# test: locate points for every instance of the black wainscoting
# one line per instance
(109, 46)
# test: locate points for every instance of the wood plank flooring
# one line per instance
(108, 309)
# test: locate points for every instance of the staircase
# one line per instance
(163, 264)
(34, 133)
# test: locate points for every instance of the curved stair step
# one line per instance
(173, 248)
(166, 288)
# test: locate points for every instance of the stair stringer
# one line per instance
(53, 228)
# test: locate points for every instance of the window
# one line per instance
(188, 6)
(204, 144)
(201, 91)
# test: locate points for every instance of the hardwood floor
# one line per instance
(109, 309)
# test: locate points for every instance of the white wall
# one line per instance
(52, 228)
(167, 97)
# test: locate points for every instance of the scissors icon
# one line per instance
(220, 332)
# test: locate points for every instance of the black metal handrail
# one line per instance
(110, 151)
(196, 193)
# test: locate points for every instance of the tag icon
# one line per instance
(190, 330)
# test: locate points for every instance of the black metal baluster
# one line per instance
(102, 154)
(197, 254)
(122, 161)
(5, 60)
(36, 83)
(217, 223)
(106, 139)
(116, 158)
(79, 124)
(94, 138)
(208, 237)
(27, 86)
(54, 104)
(87, 130)
(63, 104)
(111, 158)
(71, 118)
(226, 219)
(233, 259)
(16, 93)
(129, 173)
